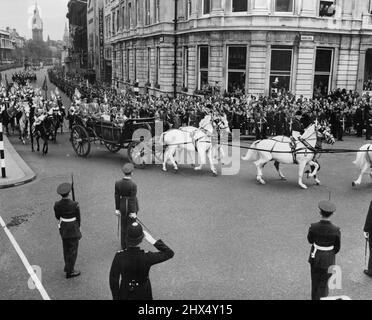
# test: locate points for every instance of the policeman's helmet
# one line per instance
(135, 234)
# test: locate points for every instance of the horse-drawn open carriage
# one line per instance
(137, 136)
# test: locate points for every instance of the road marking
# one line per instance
(27, 265)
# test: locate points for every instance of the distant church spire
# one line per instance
(66, 35)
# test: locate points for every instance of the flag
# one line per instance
(87, 83)
(56, 92)
(6, 80)
(45, 85)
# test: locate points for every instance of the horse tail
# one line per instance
(361, 157)
(252, 155)
(162, 139)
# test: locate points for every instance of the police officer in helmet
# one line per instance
(129, 274)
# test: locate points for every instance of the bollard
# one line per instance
(2, 155)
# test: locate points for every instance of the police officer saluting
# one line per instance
(129, 274)
(326, 243)
(67, 212)
(126, 202)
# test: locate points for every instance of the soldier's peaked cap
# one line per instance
(128, 168)
(64, 189)
(327, 206)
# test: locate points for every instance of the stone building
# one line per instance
(77, 60)
(7, 47)
(254, 46)
(95, 24)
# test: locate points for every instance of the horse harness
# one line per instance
(293, 146)
(368, 156)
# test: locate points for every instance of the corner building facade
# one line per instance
(306, 47)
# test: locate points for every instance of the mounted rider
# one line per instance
(297, 130)
(39, 117)
(209, 117)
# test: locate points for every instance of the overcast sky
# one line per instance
(17, 14)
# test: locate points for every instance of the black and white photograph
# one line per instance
(185, 154)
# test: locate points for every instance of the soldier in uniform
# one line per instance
(129, 274)
(67, 212)
(325, 239)
(367, 234)
(126, 201)
(358, 121)
(297, 126)
(369, 124)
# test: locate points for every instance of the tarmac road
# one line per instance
(233, 239)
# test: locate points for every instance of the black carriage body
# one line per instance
(114, 136)
(120, 135)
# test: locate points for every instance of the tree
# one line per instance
(37, 51)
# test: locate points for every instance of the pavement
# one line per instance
(233, 238)
(17, 170)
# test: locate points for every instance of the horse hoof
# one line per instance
(164, 170)
(175, 170)
(283, 178)
(354, 184)
(215, 174)
(303, 187)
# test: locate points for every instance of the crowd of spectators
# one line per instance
(262, 116)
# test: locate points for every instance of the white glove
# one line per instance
(117, 213)
(133, 215)
(149, 238)
(366, 235)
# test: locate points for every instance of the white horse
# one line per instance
(279, 150)
(191, 139)
(364, 162)
(24, 122)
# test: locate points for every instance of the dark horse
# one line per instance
(8, 117)
(45, 131)
(57, 119)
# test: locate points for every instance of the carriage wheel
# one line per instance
(80, 141)
(114, 148)
(138, 153)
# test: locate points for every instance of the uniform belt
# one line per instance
(316, 248)
(67, 220)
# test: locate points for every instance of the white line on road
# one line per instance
(27, 265)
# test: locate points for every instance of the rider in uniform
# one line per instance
(297, 126)
(67, 212)
(126, 201)
(129, 274)
(325, 239)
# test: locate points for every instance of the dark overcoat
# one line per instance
(133, 266)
